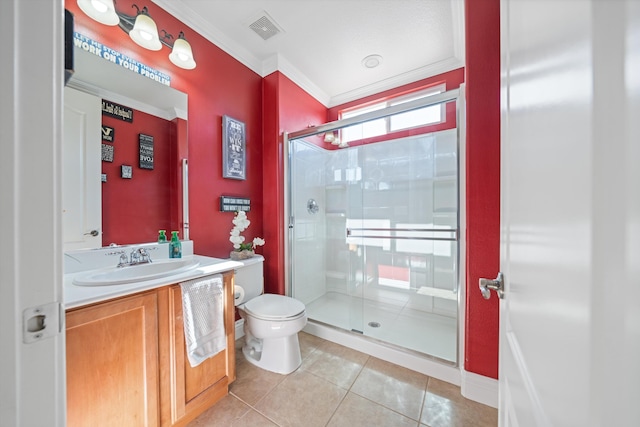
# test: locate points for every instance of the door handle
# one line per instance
(497, 284)
(93, 233)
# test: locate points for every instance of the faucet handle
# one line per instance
(123, 260)
(144, 255)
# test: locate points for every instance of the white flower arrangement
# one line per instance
(241, 223)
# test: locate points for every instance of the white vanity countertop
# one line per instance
(77, 296)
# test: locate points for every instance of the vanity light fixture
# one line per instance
(329, 137)
(102, 11)
(145, 31)
(142, 29)
(181, 55)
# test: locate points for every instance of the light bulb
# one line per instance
(102, 11)
(99, 6)
(145, 35)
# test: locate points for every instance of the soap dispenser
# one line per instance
(175, 247)
(162, 236)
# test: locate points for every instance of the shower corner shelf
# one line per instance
(335, 274)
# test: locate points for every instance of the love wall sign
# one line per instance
(146, 151)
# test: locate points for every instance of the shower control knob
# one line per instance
(487, 285)
(312, 206)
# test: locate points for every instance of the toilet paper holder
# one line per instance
(238, 295)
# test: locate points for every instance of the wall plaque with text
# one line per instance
(107, 153)
(146, 151)
(118, 111)
(234, 204)
(108, 133)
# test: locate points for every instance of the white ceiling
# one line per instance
(323, 42)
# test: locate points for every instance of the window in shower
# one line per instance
(421, 117)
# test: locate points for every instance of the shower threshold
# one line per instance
(425, 333)
(426, 364)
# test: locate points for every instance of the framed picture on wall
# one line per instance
(234, 145)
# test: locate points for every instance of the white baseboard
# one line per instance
(479, 388)
(239, 328)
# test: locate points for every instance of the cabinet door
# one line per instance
(194, 389)
(112, 363)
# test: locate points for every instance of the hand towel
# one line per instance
(203, 316)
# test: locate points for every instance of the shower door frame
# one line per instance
(455, 95)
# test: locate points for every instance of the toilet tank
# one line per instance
(249, 278)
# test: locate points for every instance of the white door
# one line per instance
(570, 318)
(32, 368)
(81, 158)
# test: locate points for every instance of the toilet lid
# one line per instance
(272, 306)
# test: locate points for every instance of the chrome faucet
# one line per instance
(137, 256)
(141, 256)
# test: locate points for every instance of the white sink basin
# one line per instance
(134, 273)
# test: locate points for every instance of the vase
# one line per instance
(240, 255)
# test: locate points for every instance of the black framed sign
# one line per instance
(234, 204)
(234, 156)
(107, 153)
(108, 133)
(146, 151)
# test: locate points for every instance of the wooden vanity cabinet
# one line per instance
(189, 391)
(127, 363)
(112, 363)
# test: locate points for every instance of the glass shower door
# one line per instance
(374, 239)
(408, 231)
(344, 285)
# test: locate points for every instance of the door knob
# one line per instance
(93, 233)
(497, 284)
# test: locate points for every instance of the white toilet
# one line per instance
(271, 322)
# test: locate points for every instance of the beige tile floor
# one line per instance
(337, 386)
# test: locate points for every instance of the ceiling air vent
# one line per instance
(264, 26)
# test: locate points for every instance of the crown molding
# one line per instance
(279, 63)
(178, 10)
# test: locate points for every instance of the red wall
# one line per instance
(219, 85)
(133, 210)
(483, 182)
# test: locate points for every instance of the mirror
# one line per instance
(141, 194)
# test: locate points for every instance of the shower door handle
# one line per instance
(487, 285)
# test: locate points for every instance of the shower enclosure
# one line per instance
(374, 231)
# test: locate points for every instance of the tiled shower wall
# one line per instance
(405, 183)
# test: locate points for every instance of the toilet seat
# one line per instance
(274, 307)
